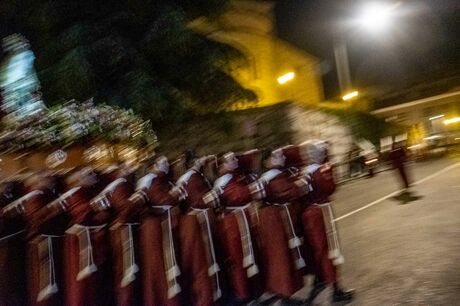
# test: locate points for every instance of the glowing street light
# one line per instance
(376, 16)
(350, 95)
(453, 120)
(286, 78)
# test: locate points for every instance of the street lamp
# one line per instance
(374, 17)
(350, 95)
(286, 78)
(453, 120)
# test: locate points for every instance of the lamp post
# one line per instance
(342, 66)
(373, 17)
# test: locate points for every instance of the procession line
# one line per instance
(397, 192)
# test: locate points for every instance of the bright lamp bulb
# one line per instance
(376, 16)
(286, 78)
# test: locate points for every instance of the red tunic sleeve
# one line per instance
(119, 196)
(120, 200)
(323, 184)
(284, 188)
(159, 192)
(236, 193)
(80, 211)
(196, 188)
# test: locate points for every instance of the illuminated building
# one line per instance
(249, 27)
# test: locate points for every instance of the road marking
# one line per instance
(429, 177)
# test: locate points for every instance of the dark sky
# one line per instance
(422, 44)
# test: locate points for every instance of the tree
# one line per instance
(137, 54)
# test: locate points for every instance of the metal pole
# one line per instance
(341, 61)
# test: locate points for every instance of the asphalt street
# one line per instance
(399, 250)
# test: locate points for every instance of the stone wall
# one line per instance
(272, 126)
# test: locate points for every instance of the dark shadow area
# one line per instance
(406, 197)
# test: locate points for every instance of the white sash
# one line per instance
(130, 268)
(246, 241)
(207, 238)
(47, 272)
(332, 236)
(169, 254)
(87, 264)
(295, 242)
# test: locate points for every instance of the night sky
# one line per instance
(422, 44)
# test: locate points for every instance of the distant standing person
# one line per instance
(398, 157)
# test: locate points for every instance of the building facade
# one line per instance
(249, 27)
(426, 117)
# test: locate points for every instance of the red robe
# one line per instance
(44, 254)
(158, 241)
(12, 261)
(87, 286)
(86, 251)
(281, 233)
(124, 241)
(200, 260)
(314, 228)
(238, 227)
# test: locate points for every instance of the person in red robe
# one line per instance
(12, 250)
(10, 191)
(44, 245)
(318, 225)
(281, 228)
(123, 235)
(86, 251)
(157, 199)
(200, 260)
(237, 225)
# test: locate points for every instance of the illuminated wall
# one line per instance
(249, 27)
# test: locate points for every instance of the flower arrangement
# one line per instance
(74, 123)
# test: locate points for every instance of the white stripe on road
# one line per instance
(429, 177)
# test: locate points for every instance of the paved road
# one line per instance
(355, 194)
(396, 253)
(403, 254)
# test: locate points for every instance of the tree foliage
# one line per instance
(136, 53)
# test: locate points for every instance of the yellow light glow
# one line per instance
(453, 120)
(350, 95)
(286, 78)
